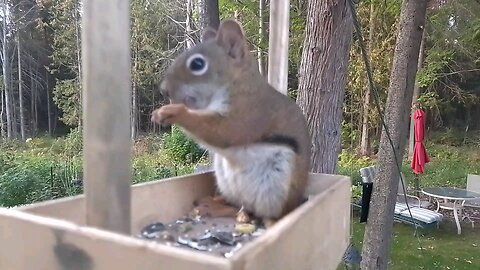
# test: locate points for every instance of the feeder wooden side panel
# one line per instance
(40, 243)
(289, 244)
(161, 200)
(68, 208)
(168, 199)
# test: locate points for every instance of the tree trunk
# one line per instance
(6, 72)
(13, 105)
(33, 97)
(189, 43)
(323, 74)
(416, 93)
(134, 97)
(2, 112)
(79, 62)
(261, 38)
(35, 109)
(49, 107)
(365, 139)
(378, 232)
(20, 91)
(209, 14)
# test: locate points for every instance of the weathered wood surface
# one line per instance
(106, 113)
(69, 208)
(314, 236)
(278, 45)
(32, 242)
(162, 200)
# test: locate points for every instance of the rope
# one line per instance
(377, 103)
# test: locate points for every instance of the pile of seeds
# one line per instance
(221, 235)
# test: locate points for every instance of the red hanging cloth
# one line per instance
(420, 156)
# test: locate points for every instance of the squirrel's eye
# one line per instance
(197, 64)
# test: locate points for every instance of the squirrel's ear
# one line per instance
(208, 33)
(230, 36)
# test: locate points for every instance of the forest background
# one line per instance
(40, 113)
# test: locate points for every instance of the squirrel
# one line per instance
(259, 136)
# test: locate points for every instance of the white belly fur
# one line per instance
(256, 177)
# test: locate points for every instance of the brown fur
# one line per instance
(255, 109)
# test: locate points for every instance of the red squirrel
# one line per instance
(259, 136)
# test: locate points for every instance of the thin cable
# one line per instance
(377, 103)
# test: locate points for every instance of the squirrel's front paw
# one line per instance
(167, 114)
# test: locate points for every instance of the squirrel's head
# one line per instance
(202, 76)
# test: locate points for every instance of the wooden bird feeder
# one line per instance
(97, 230)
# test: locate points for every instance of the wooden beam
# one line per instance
(106, 114)
(278, 45)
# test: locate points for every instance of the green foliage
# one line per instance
(437, 62)
(450, 137)
(452, 67)
(73, 143)
(350, 164)
(453, 154)
(62, 22)
(67, 97)
(248, 15)
(181, 149)
(350, 135)
(380, 51)
(148, 167)
(428, 100)
(155, 41)
(32, 178)
(45, 168)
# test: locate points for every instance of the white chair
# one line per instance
(414, 213)
(368, 174)
(473, 184)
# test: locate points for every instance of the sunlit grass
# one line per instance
(443, 248)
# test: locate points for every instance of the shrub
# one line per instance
(74, 143)
(33, 178)
(349, 164)
(148, 168)
(181, 149)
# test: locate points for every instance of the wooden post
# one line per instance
(278, 45)
(106, 114)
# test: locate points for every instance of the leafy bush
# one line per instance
(147, 168)
(18, 186)
(32, 178)
(350, 164)
(350, 136)
(67, 96)
(449, 137)
(179, 148)
(74, 143)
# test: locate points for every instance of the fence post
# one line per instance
(106, 114)
(278, 45)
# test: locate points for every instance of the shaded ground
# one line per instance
(442, 248)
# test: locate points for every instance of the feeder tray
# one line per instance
(52, 235)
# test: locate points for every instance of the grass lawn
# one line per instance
(443, 248)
